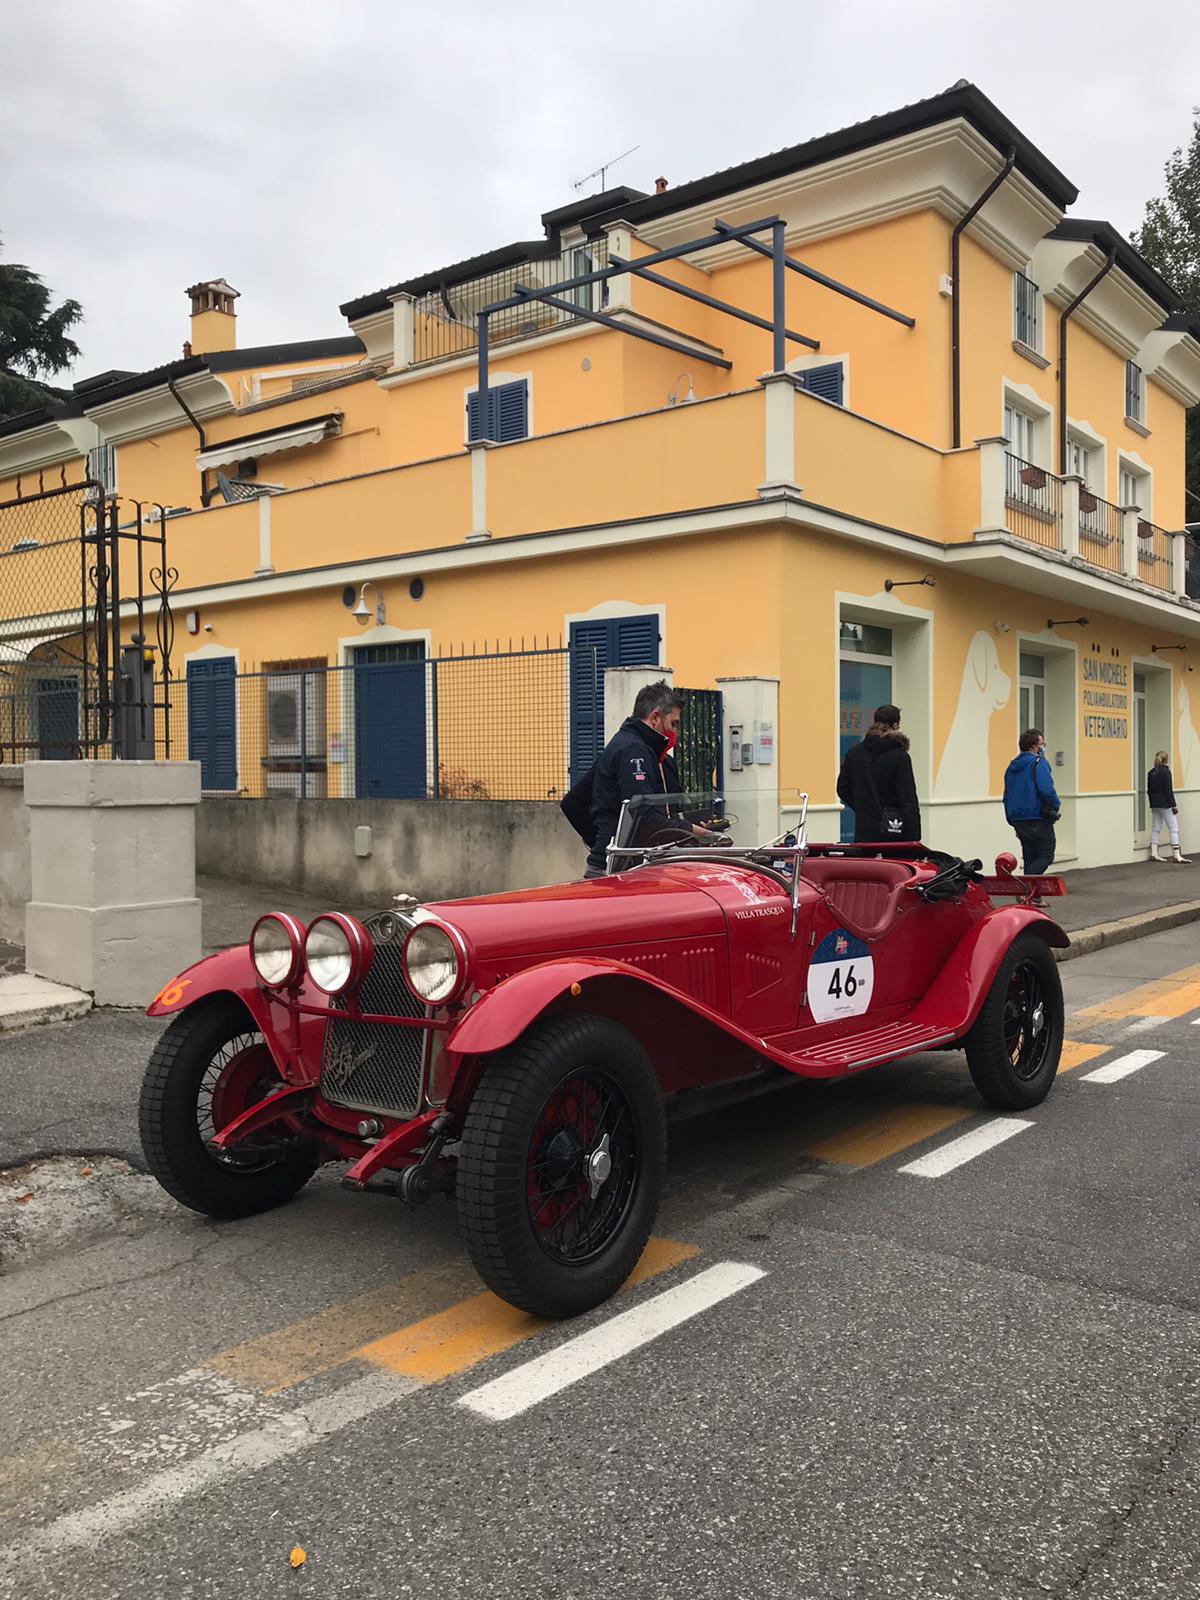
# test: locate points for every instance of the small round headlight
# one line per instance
(337, 953)
(434, 963)
(275, 949)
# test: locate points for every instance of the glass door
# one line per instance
(864, 682)
(1141, 764)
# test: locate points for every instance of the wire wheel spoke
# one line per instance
(239, 1074)
(1026, 1022)
(575, 1214)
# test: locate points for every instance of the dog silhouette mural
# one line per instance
(963, 772)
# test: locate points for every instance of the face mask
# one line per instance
(670, 738)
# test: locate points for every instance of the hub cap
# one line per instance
(582, 1167)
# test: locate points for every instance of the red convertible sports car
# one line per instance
(519, 1048)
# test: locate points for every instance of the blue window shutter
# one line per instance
(508, 413)
(825, 382)
(212, 721)
(636, 642)
(474, 431)
(617, 642)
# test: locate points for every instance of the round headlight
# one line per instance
(276, 945)
(337, 953)
(434, 963)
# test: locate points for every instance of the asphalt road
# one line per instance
(837, 1377)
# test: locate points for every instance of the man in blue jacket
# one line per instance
(1031, 804)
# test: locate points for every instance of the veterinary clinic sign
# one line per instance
(1105, 699)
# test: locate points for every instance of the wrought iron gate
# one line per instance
(699, 748)
(77, 567)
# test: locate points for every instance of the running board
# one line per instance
(875, 1045)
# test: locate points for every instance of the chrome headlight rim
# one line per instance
(295, 933)
(462, 962)
(359, 951)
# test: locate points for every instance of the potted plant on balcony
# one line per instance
(1145, 529)
(1033, 477)
(1087, 501)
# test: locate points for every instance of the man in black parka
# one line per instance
(876, 782)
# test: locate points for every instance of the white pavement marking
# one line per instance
(1123, 1066)
(545, 1375)
(1145, 1024)
(966, 1147)
(248, 1452)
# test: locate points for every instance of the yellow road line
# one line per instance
(1075, 1052)
(452, 1340)
(876, 1137)
(1169, 996)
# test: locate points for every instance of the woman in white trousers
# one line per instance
(1165, 813)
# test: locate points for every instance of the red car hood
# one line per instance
(650, 904)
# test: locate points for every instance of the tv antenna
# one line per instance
(602, 171)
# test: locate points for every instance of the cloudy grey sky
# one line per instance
(312, 152)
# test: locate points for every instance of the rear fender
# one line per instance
(953, 999)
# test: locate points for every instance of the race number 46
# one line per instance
(841, 977)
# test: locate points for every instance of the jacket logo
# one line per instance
(639, 765)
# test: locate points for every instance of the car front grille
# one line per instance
(366, 1066)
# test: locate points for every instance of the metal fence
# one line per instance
(1032, 502)
(444, 319)
(1154, 555)
(1101, 527)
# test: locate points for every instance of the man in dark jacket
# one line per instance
(636, 761)
(1031, 803)
(877, 783)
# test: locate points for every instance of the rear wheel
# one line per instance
(1014, 1046)
(208, 1067)
(561, 1165)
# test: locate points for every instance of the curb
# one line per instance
(62, 1011)
(1101, 935)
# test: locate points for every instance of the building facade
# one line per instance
(959, 486)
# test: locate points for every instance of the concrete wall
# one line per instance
(433, 849)
(15, 887)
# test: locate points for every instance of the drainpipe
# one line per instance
(206, 494)
(1063, 317)
(955, 352)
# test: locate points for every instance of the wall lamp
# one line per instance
(362, 612)
(1157, 649)
(674, 398)
(1068, 622)
(909, 583)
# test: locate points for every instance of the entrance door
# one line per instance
(864, 682)
(390, 755)
(1141, 763)
(212, 721)
(1032, 691)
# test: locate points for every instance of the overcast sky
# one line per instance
(313, 152)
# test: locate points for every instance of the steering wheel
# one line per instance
(672, 836)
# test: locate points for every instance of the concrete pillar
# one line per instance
(779, 435)
(1071, 485)
(113, 872)
(1129, 541)
(993, 467)
(752, 795)
(621, 240)
(264, 536)
(402, 331)
(621, 685)
(479, 525)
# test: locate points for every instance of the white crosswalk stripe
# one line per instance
(966, 1147)
(1113, 1071)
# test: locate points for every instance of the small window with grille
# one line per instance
(1025, 312)
(1135, 393)
(102, 467)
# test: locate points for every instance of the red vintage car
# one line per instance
(519, 1048)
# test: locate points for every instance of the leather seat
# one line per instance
(866, 896)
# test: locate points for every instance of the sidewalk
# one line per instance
(1102, 894)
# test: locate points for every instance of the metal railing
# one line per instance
(1154, 555)
(1191, 571)
(1032, 502)
(444, 319)
(1025, 310)
(1100, 532)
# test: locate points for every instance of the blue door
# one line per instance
(863, 686)
(614, 642)
(389, 721)
(212, 721)
(57, 718)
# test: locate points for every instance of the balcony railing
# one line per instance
(1032, 502)
(1100, 532)
(1154, 555)
(444, 322)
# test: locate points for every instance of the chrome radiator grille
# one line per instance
(366, 1066)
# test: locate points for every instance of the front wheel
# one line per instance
(561, 1165)
(1014, 1045)
(208, 1067)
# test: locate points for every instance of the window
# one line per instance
(1032, 691)
(1025, 311)
(1135, 392)
(1080, 460)
(508, 413)
(102, 467)
(828, 383)
(1133, 489)
(576, 263)
(594, 645)
(1021, 431)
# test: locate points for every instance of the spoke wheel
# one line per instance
(209, 1066)
(561, 1164)
(1014, 1045)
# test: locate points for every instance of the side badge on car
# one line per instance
(841, 977)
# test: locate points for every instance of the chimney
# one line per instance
(660, 185)
(214, 321)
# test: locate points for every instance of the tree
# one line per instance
(1169, 238)
(35, 342)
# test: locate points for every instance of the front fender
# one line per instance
(227, 972)
(953, 999)
(504, 1012)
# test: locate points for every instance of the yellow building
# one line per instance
(651, 481)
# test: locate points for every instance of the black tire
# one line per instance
(1012, 1055)
(170, 1113)
(563, 1074)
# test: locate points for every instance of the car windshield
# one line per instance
(700, 818)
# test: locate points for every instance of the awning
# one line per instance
(298, 437)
